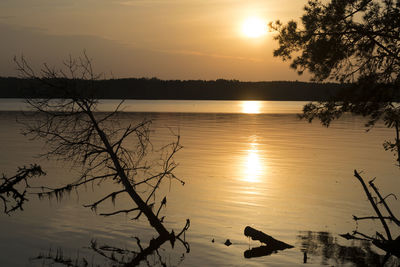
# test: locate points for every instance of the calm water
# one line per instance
(245, 163)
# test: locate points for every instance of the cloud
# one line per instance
(143, 2)
(108, 56)
(178, 2)
(7, 17)
(202, 54)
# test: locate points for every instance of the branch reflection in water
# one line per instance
(117, 256)
(325, 246)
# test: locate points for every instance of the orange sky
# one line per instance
(168, 39)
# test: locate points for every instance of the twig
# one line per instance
(382, 200)
(371, 200)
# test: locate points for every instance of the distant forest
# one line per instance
(153, 88)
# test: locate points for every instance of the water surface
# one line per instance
(242, 166)
(182, 106)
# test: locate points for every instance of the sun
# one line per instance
(254, 27)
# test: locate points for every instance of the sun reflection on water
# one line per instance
(251, 107)
(253, 166)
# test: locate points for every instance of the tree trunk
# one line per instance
(154, 221)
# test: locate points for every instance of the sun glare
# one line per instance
(254, 27)
(251, 107)
(253, 165)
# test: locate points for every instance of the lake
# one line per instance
(244, 163)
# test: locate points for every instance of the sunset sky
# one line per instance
(168, 39)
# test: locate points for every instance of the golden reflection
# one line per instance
(251, 107)
(253, 167)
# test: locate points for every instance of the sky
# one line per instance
(167, 39)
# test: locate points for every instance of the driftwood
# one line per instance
(266, 239)
(272, 244)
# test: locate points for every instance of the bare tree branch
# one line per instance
(13, 190)
(372, 202)
(66, 118)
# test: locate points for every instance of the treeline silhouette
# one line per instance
(153, 88)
